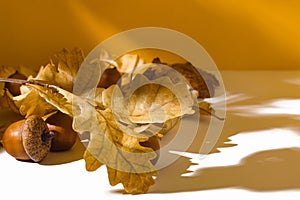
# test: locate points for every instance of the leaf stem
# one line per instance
(12, 80)
(212, 114)
(28, 82)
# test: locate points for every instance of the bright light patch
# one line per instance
(284, 106)
(295, 81)
(247, 144)
(276, 107)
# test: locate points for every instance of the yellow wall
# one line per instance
(251, 34)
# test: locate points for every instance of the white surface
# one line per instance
(258, 158)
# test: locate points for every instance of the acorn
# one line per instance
(109, 77)
(33, 138)
(65, 137)
(28, 139)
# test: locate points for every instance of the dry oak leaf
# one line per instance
(128, 62)
(8, 111)
(63, 70)
(30, 103)
(5, 96)
(108, 144)
(116, 124)
(8, 71)
(133, 183)
(61, 74)
(153, 101)
(158, 106)
(202, 81)
(126, 160)
(57, 97)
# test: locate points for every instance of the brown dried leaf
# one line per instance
(195, 78)
(120, 151)
(126, 160)
(56, 97)
(128, 62)
(6, 96)
(31, 103)
(203, 82)
(61, 74)
(133, 183)
(117, 124)
(155, 101)
(108, 144)
(92, 163)
(8, 111)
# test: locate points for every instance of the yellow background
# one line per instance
(251, 34)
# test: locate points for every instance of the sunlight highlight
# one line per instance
(276, 107)
(96, 25)
(247, 144)
(295, 81)
(230, 98)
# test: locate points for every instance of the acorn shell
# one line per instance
(35, 147)
(12, 140)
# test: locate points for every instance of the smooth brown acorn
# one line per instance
(33, 138)
(109, 77)
(65, 136)
(28, 139)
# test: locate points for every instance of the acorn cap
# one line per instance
(35, 147)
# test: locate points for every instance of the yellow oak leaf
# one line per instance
(61, 74)
(92, 163)
(114, 148)
(9, 89)
(108, 143)
(126, 160)
(128, 62)
(133, 183)
(156, 106)
(152, 101)
(57, 97)
(31, 103)
(118, 120)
